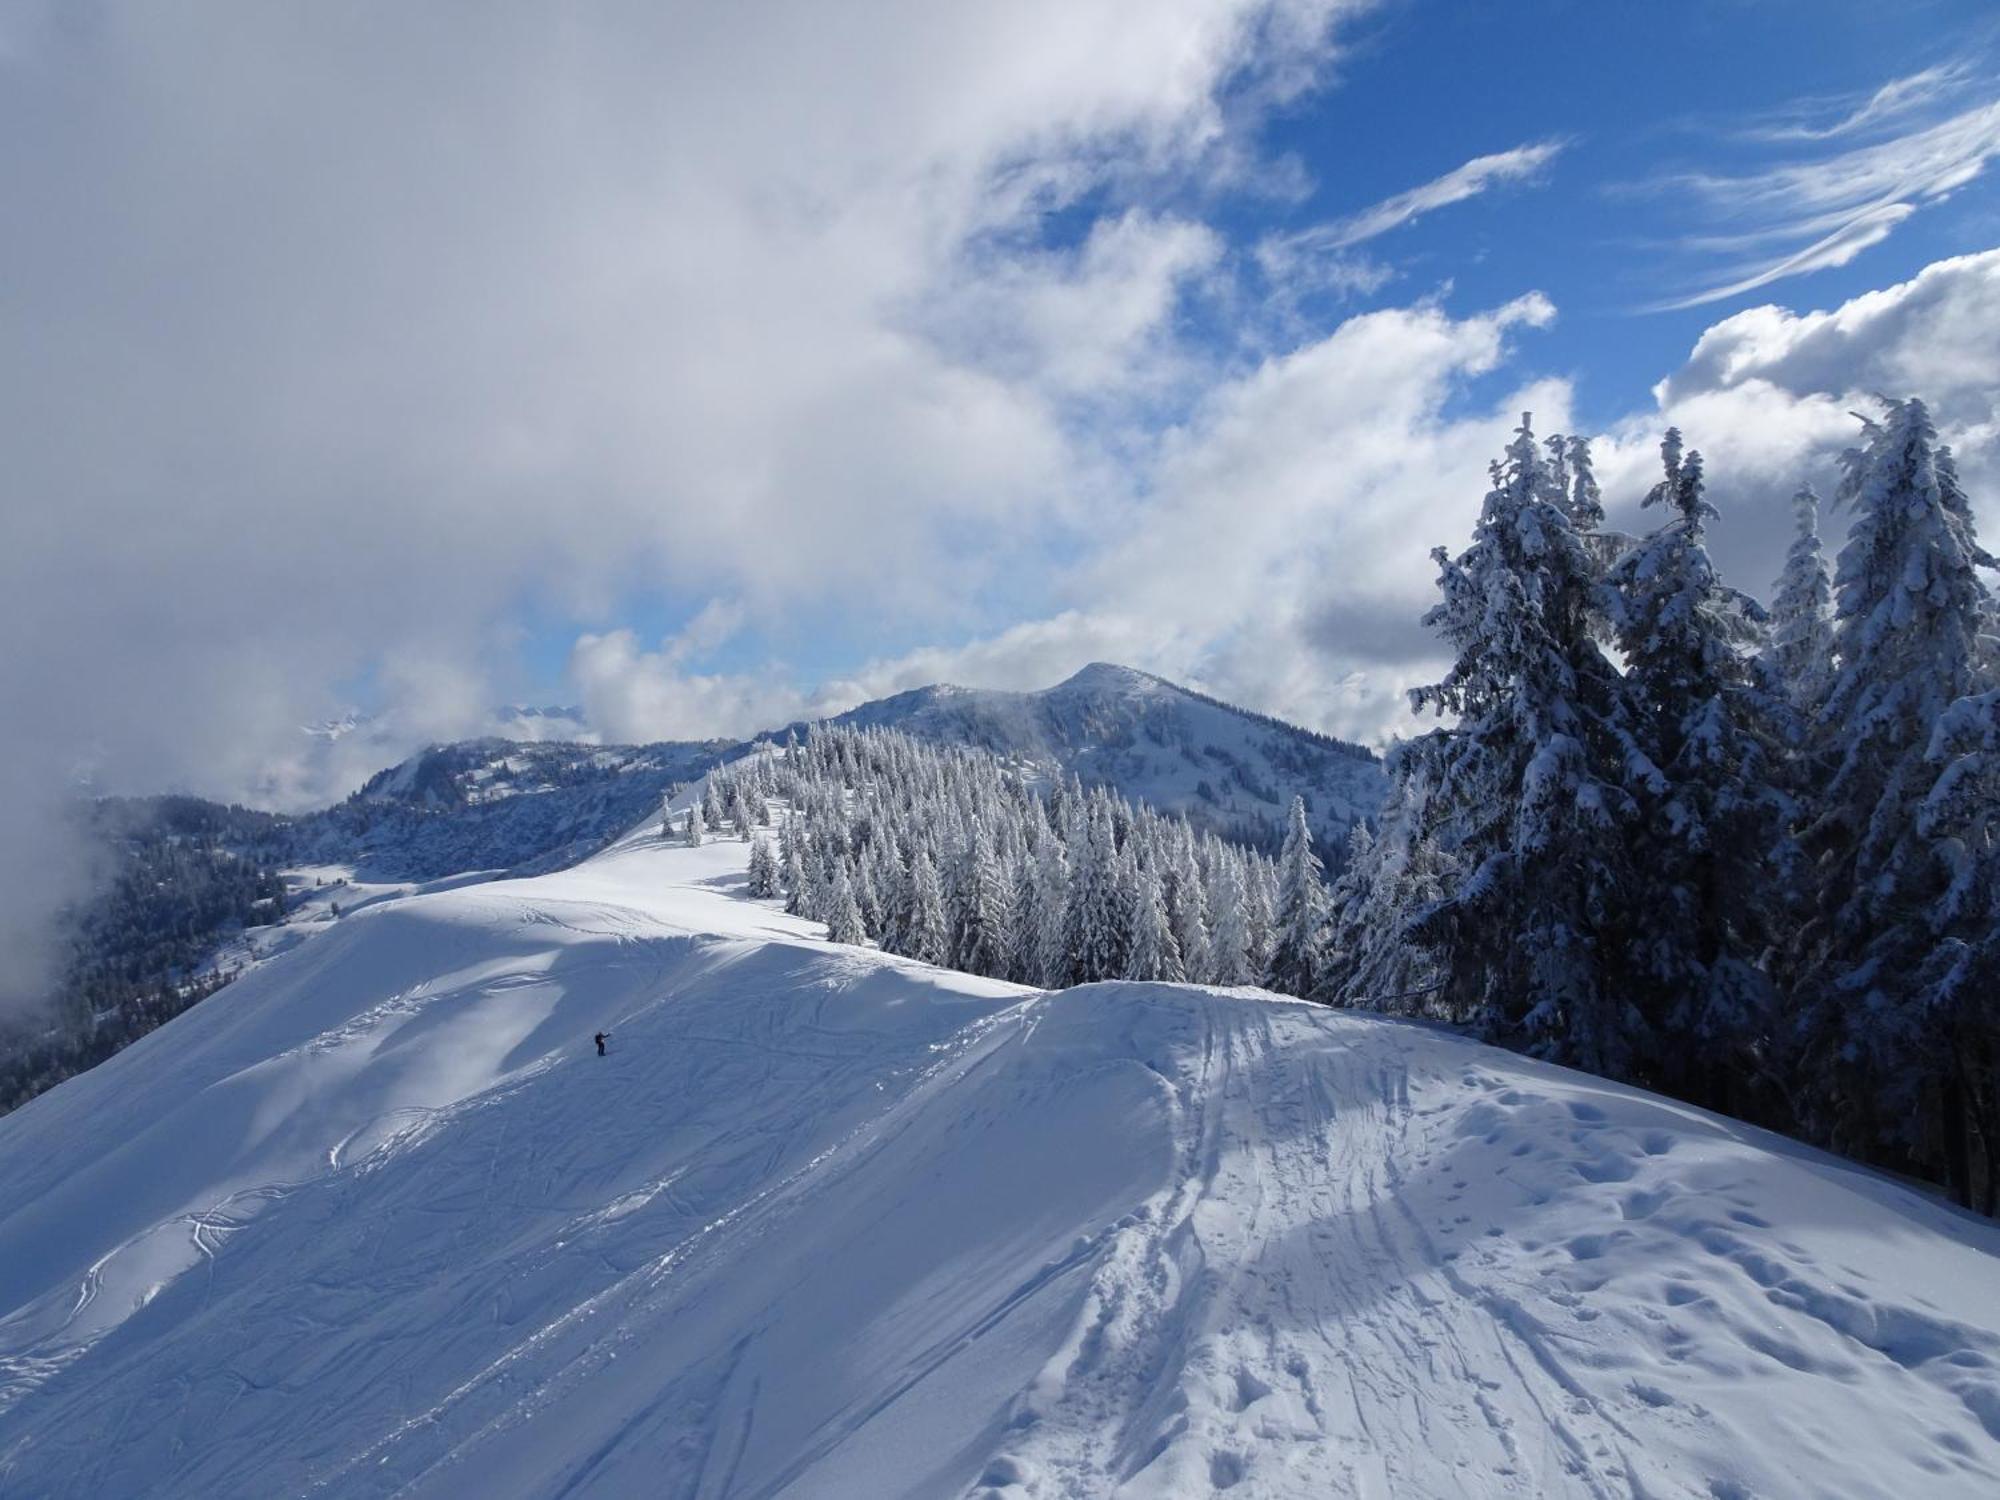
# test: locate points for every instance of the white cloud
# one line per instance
(631, 696)
(1858, 114)
(1276, 552)
(1824, 210)
(1521, 164)
(336, 338)
(1768, 395)
(1275, 548)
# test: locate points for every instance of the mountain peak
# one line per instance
(1102, 676)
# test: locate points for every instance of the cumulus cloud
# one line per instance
(338, 338)
(1274, 549)
(1768, 395)
(1276, 552)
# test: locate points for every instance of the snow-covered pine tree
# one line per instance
(1801, 642)
(1294, 966)
(888, 887)
(695, 826)
(712, 811)
(1534, 780)
(1711, 850)
(1187, 904)
(1097, 922)
(1023, 965)
(1046, 941)
(1229, 944)
(843, 916)
(925, 937)
(811, 894)
(867, 900)
(1260, 905)
(1959, 984)
(1909, 610)
(982, 932)
(1392, 876)
(1155, 955)
(1586, 501)
(763, 870)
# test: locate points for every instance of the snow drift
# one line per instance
(376, 1221)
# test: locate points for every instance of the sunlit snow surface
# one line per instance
(376, 1221)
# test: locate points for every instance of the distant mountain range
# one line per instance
(459, 806)
(186, 876)
(1235, 772)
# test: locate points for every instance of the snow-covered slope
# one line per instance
(376, 1221)
(1230, 770)
(496, 805)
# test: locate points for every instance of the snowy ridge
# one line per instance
(375, 1221)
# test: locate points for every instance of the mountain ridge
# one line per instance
(827, 1223)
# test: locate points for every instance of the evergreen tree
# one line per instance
(1711, 850)
(983, 927)
(1801, 646)
(1294, 965)
(694, 826)
(843, 917)
(1534, 778)
(1096, 931)
(1229, 950)
(1958, 993)
(1259, 880)
(1392, 878)
(1047, 945)
(791, 874)
(1586, 501)
(925, 939)
(1155, 955)
(1023, 963)
(813, 891)
(1187, 906)
(763, 870)
(1888, 859)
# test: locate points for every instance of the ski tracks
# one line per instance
(1281, 1321)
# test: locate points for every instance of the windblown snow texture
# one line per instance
(377, 1221)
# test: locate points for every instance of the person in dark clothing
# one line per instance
(600, 1044)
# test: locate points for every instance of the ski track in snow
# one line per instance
(376, 1222)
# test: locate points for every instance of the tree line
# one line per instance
(953, 856)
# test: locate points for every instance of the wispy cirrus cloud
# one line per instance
(1521, 164)
(1827, 119)
(1825, 207)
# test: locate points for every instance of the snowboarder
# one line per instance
(599, 1039)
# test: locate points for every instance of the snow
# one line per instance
(1152, 742)
(376, 1221)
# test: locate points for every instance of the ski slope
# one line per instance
(376, 1221)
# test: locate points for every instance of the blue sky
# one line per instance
(708, 366)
